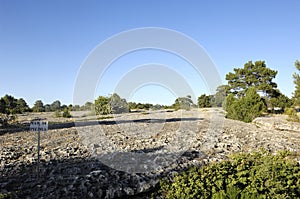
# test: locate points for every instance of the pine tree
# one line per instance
(255, 75)
(296, 77)
(245, 108)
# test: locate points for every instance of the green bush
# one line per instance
(113, 104)
(205, 101)
(57, 113)
(245, 108)
(256, 175)
(292, 115)
(185, 103)
(66, 113)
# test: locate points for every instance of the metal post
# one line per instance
(38, 150)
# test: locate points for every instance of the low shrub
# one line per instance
(245, 108)
(57, 113)
(292, 115)
(66, 113)
(256, 175)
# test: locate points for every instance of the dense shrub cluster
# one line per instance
(113, 104)
(245, 108)
(256, 175)
(205, 101)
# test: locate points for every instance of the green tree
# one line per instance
(132, 105)
(102, 105)
(278, 100)
(220, 96)
(76, 108)
(205, 101)
(10, 104)
(255, 75)
(296, 77)
(88, 106)
(185, 103)
(47, 108)
(2, 105)
(21, 106)
(38, 106)
(118, 104)
(113, 104)
(55, 106)
(245, 108)
(66, 113)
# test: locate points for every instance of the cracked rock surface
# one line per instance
(126, 156)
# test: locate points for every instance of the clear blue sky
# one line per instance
(43, 43)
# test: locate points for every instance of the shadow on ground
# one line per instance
(83, 178)
(25, 127)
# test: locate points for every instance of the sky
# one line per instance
(44, 44)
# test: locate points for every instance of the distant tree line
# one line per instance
(249, 92)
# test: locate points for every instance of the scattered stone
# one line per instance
(129, 158)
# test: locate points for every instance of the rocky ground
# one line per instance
(126, 156)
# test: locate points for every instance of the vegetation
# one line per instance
(66, 113)
(185, 103)
(279, 101)
(255, 75)
(57, 114)
(145, 106)
(205, 101)
(220, 96)
(118, 104)
(38, 106)
(245, 108)
(244, 85)
(114, 104)
(249, 92)
(292, 115)
(296, 77)
(104, 117)
(102, 106)
(55, 106)
(256, 175)
(9, 107)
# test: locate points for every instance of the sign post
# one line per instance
(38, 125)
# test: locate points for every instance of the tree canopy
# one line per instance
(113, 104)
(205, 101)
(38, 106)
(245, 108)
(56, 106)
(256, 75)
(11, 105)
(296, 77)
(118, 104)
(183, 103)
